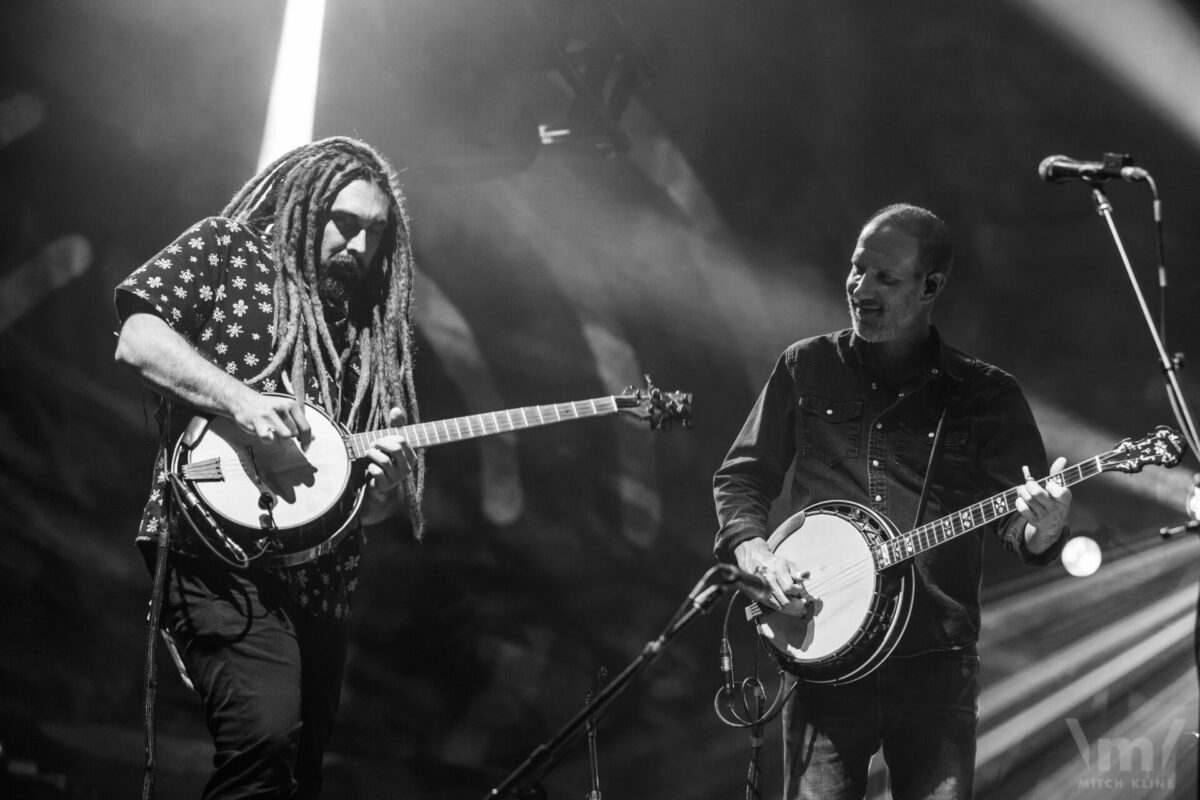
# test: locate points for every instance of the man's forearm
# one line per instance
(169, 364)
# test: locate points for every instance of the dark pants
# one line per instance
(921, 710)
(269, 675)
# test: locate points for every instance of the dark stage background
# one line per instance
(698, 226)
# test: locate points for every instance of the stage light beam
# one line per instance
(292, 107)
(1152, 47)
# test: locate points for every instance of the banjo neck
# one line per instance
(940, 531)
(457, 429)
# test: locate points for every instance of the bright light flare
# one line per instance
(1081, 556)
(1192, 504)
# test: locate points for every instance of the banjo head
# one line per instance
(301, 485)
(287, 504)
(845, 612)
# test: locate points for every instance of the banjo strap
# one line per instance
(933, 454)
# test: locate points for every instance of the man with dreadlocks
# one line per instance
(302, 288)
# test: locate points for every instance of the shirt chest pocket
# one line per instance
(913, 448)
(829, 428)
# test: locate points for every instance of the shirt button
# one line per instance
(930, 434)
(934, 371)
(828, 411)
(875, 462)
(878, 498)
(878, 426)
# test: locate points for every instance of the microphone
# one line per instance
(1056, 169)
(752, 586)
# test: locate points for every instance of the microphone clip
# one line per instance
(1191, 526)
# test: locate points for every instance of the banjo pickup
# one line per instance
(207, 470)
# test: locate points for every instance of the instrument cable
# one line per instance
(750, 691)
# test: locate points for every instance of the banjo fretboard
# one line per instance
(942, 530)
(456, 429)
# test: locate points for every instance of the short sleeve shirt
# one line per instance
(214, 285)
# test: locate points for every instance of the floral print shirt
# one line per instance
(214, 286)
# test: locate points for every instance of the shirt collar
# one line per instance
(942, 359)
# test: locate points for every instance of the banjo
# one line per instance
(856, 589)
(274, 505)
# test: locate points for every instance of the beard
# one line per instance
(889, 321)
(872, 325)
(339, 282)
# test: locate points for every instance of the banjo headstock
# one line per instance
(1164, 447)
(660, 408)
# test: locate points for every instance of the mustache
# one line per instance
(345, 263)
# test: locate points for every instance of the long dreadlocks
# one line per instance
(292, 196)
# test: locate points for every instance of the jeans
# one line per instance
(921, 710)
(269, 676)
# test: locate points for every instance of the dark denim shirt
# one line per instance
(850, 437)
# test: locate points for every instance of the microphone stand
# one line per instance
(593, 753)
(526, 780)
(1169, 365)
